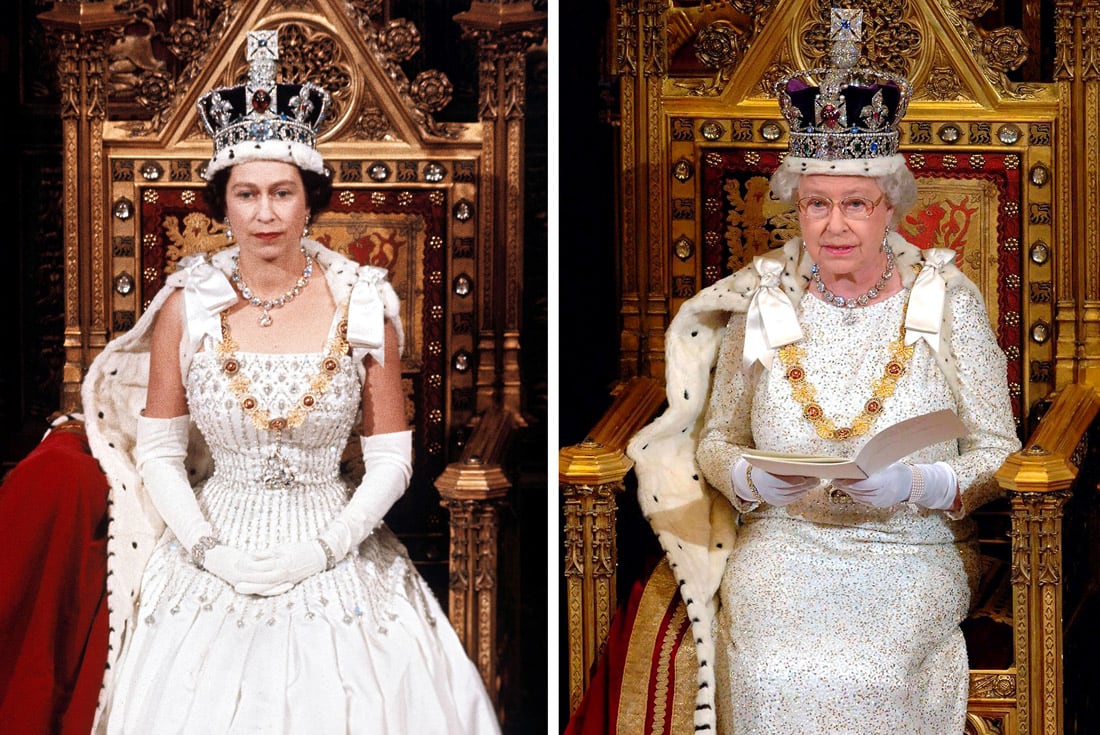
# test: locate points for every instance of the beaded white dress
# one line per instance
(364, 648)
(836, 617)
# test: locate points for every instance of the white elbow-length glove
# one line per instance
(387, 459)
(159, 455)
(764, 487)
(933, 486)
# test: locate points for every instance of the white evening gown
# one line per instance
(364, 648)
(841, 618)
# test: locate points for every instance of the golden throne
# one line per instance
(1006, 172)
(439, 204)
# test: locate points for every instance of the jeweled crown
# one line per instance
(263, 119)
(855, 110)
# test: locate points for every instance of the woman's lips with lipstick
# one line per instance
(267, 236)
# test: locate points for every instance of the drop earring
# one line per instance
(305, 228)
(228, 230)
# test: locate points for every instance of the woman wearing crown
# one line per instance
(269, 597)
(818, 606)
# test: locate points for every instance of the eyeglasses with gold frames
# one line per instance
(854, 208)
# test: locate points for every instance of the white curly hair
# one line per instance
(891, 172)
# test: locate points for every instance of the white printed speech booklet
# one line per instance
(881, 450)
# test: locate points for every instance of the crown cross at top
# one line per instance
(845, 33)
(262, 45)
(263, 52)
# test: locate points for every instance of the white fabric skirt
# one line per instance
(364, 648)
(841, 631)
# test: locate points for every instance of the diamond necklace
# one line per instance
(268, 304)
(863, 299)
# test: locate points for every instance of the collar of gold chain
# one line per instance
(240, 385)
(883, 387)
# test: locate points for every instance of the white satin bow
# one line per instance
(771, 321)
(206, 293)
(924, 318)
(366, 313)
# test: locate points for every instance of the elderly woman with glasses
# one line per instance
(818, 605)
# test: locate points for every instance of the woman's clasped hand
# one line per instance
(933, 486)
(763, 486)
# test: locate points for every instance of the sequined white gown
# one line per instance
(835, 618)
(364, 648)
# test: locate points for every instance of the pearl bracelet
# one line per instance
(916, 489)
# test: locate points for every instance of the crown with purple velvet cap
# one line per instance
(847, 122)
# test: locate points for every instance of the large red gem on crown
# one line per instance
(261, 100)
(830, 116)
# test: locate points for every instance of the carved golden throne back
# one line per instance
(998, 169)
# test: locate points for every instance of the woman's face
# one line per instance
(265, 202)
(844, 247)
